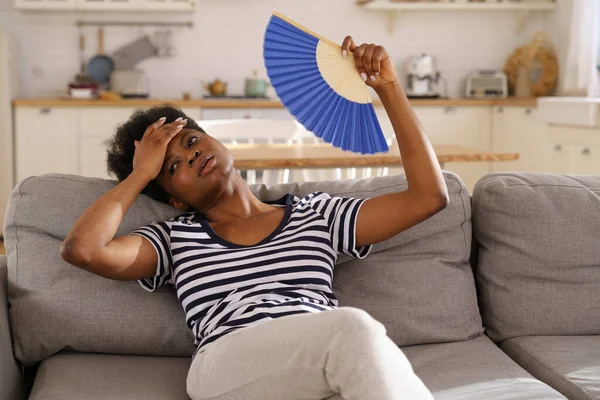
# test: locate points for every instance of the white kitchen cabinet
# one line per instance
(572, 150)
(463, 126)
(519, 130)
(45, 141)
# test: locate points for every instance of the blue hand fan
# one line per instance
(320, 88)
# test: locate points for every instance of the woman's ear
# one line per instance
(178, 204)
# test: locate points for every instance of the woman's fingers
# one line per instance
(358, 61)
(348, 46)
(378, 55)
(154, 126)
(367, 61)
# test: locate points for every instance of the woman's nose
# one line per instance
(195, 155)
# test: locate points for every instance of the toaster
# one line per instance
(129, 83)
(487, 84)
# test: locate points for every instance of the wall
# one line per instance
(226, 40)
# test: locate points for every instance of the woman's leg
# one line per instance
(306, 356)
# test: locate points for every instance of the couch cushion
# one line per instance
(538, 271)
(570, 364)
(100, 376)
(474, 370)
(419, 283)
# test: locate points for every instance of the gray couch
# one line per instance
(525, 265)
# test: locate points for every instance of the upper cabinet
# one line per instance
(107, 5)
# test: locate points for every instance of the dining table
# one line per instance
(325, 155)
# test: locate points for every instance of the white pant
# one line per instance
(341, 354)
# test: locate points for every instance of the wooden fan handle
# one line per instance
(305, 29)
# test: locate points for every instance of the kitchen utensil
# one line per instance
(216, 88)
(130, 83)
(304, 68)
(128, 56)
(81, 53)
(82, 78)
(101, 66)
(255, 86)
(422, 77)
(540, 63)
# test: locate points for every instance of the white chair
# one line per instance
(304, 136)
(254, 131)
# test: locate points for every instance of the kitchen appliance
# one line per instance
(422, 77)
(487, 84)
(9, 79)
(130, 83)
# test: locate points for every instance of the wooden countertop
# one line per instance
(275, 156)
(233, 103)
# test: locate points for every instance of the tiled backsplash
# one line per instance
(226, 41)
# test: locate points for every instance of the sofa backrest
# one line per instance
(419, 283)
(538, 269)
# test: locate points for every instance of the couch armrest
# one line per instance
(11, 376)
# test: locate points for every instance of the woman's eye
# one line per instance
(172, 168)
(192, 140)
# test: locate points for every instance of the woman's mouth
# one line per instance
(207, 166)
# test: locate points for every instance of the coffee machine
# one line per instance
(422, 77)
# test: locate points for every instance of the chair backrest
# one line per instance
(259, 131)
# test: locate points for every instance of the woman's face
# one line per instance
(195, 169)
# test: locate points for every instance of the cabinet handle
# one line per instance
(450, 110)
(45, 110)
(500, 110)
(247, 116)
(528, 111)
(586, 152)
(558, 147)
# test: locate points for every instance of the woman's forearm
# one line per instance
(97, 226)
(422, 169)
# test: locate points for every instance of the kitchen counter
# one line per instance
(248, 103)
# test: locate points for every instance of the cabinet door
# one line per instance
(93, 157)
(519, 130)
(586, 160)
(559, 157)
(45, 4)
(96, 126)
(45, 141)
(464, 126)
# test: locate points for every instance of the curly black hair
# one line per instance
(119, 160)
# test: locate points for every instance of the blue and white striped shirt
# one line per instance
(224, 286)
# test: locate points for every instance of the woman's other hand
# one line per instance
(150, 151)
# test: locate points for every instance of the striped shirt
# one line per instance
(223, 286)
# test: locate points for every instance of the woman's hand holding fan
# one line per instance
(372, 63)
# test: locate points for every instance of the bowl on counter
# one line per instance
(83, 91)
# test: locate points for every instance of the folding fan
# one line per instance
(320, 88)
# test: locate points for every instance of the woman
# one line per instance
(255, 278)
